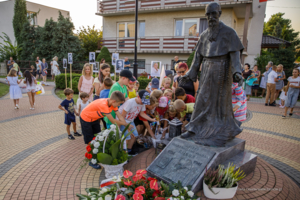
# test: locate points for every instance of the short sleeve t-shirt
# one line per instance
(116, 87)
(294, 81)
(69, 106)
(271, 77)
(104, 93)
(126, 63)
(96, 110)
(132, 94)
(189, 109)
(189, 99)
(132, 108)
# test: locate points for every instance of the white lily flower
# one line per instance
(97, 144)
(108, 197)
(93, 142)
(100, 198)
(186, 189)
(94, 161)
(182, 197)
(95, 151)
(175, 193)
(190, 193)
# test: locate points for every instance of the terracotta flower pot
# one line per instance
(220, 193)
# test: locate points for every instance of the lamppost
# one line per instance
(135, 64)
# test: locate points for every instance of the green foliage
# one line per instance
(143, 82)
(284, 56)
(28, 35)
(190, 59)
(223, 178)
(7, 49)
(61, 84)
(44, 40)
(277, 24)
(20, 17)
(104, 158)
(64, 41)
(263, 59)
(104, 53)
(3, 89)
(90, 38)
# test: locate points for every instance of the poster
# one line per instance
(155, 68)
(119, 65)
(92, 58)
(70, 58)
(115, 57)
(65, 63)
(96, 67)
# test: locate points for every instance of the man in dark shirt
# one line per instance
(126, 63)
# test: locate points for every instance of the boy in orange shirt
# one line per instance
(91, 115)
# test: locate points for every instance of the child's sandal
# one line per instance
(291, 114)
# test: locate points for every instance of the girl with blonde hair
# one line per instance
(166, 83)
(86, 81)
(14, 89)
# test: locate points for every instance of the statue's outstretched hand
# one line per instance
(238, 78)
(183, 79)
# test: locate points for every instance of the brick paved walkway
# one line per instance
(37, 161)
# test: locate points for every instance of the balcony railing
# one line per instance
(113, 6)
(152, 44)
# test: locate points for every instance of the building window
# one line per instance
(186, 27)
(141, 63)
(142, 29)
(127, 29)
(32, 16)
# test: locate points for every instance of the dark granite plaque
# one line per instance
(181, 160)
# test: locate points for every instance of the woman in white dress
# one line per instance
(54, 67)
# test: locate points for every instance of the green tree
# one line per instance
(190, 59)
(104, 53)
(20, 17)
(287, 33)
(64, 41)
(8, 49)
(90, 39)
(277, 30)
(28, 36)
(43, 45)
(263, 59)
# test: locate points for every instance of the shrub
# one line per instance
(190, 59)
(106, 55)
(143, 82)
(61, 84)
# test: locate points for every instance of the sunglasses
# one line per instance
(180, 72)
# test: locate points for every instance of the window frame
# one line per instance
(34, 19)
(183, 26)
(126, 26)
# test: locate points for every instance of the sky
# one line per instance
(83, 11)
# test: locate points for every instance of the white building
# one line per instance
(7, 14)
(167, 28)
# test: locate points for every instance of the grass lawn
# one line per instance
(3, 89)
(60, 94)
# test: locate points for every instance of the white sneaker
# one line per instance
(17, 106)
(31, 108)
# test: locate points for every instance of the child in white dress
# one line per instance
(14, 89)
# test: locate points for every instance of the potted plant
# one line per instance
(222, 183)
(106, 148)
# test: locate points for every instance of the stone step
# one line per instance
(245, 161)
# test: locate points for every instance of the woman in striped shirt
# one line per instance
(239, 102)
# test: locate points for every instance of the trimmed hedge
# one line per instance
(60, 81)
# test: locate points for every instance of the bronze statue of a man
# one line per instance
(218, 50)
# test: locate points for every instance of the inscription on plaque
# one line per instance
(181, 160)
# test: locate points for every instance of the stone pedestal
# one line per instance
(186, 161)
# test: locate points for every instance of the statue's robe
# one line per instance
(213, 120)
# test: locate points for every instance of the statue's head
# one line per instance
(213, 13)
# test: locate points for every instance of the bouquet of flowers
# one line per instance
(138, 187)
(107, 147)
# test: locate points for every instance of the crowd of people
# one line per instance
(103, 101)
